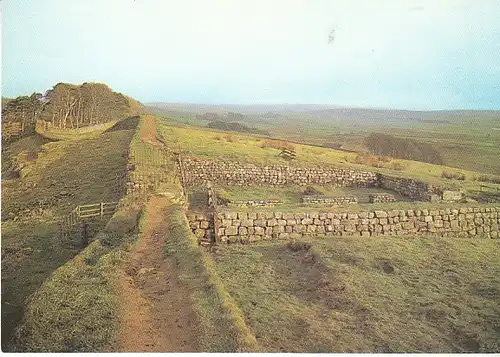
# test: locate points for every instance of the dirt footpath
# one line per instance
(155, 314)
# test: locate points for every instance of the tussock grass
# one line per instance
(382, 294)
(222, 324)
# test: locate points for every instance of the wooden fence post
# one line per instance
(102, 209)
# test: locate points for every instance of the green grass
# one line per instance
(31, 251)
(222, 326)
(70, 173)
(381, 294)
(65, 174)
(75, 309)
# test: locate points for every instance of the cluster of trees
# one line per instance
(74, 106)
(402, 148)
(233, 126)
(70, 106)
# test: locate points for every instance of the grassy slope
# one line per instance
(75, 308)
(222, 325)
(69, 173)
(245, 148)
(383, 294)
(33, 249)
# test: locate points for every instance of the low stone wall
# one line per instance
(254, 226)
(254, 203)
(381, 198)
(329, 200)
(414, 189)
(197, 171)
(202, 227)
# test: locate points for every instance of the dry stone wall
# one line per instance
(254, 226)
(254, 203)
(197, 171)
(202, 227)
(381, 198)
(414, 189)
(331, 201)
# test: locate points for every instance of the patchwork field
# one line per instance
(383, 294)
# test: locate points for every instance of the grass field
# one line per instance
(380, 294)
(214, 144)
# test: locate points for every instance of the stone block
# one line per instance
(246, 222)
(381, 214)
(259, 222)
(278, 229)
(242, 215)
(204, 224)
(311, 229)
(307, 221)
(231, 231)
(199, 233)
(243, 231)
(299, 228)
(259, 231)
(231, 215)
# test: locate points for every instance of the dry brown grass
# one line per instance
(277, 144)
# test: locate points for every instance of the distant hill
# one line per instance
(320, 112)
(402, 148)
(233, 126)
(66, 106)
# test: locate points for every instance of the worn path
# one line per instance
(156, 315)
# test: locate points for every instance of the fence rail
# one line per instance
(83, 212)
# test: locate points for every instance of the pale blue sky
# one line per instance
(412, 54)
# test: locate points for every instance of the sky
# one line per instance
(407, 54)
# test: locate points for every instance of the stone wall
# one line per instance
(381, 198)
(254, 203)
(202, 227)
(333, 201)
(197, 171)
(253, 226)
(414, 189)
